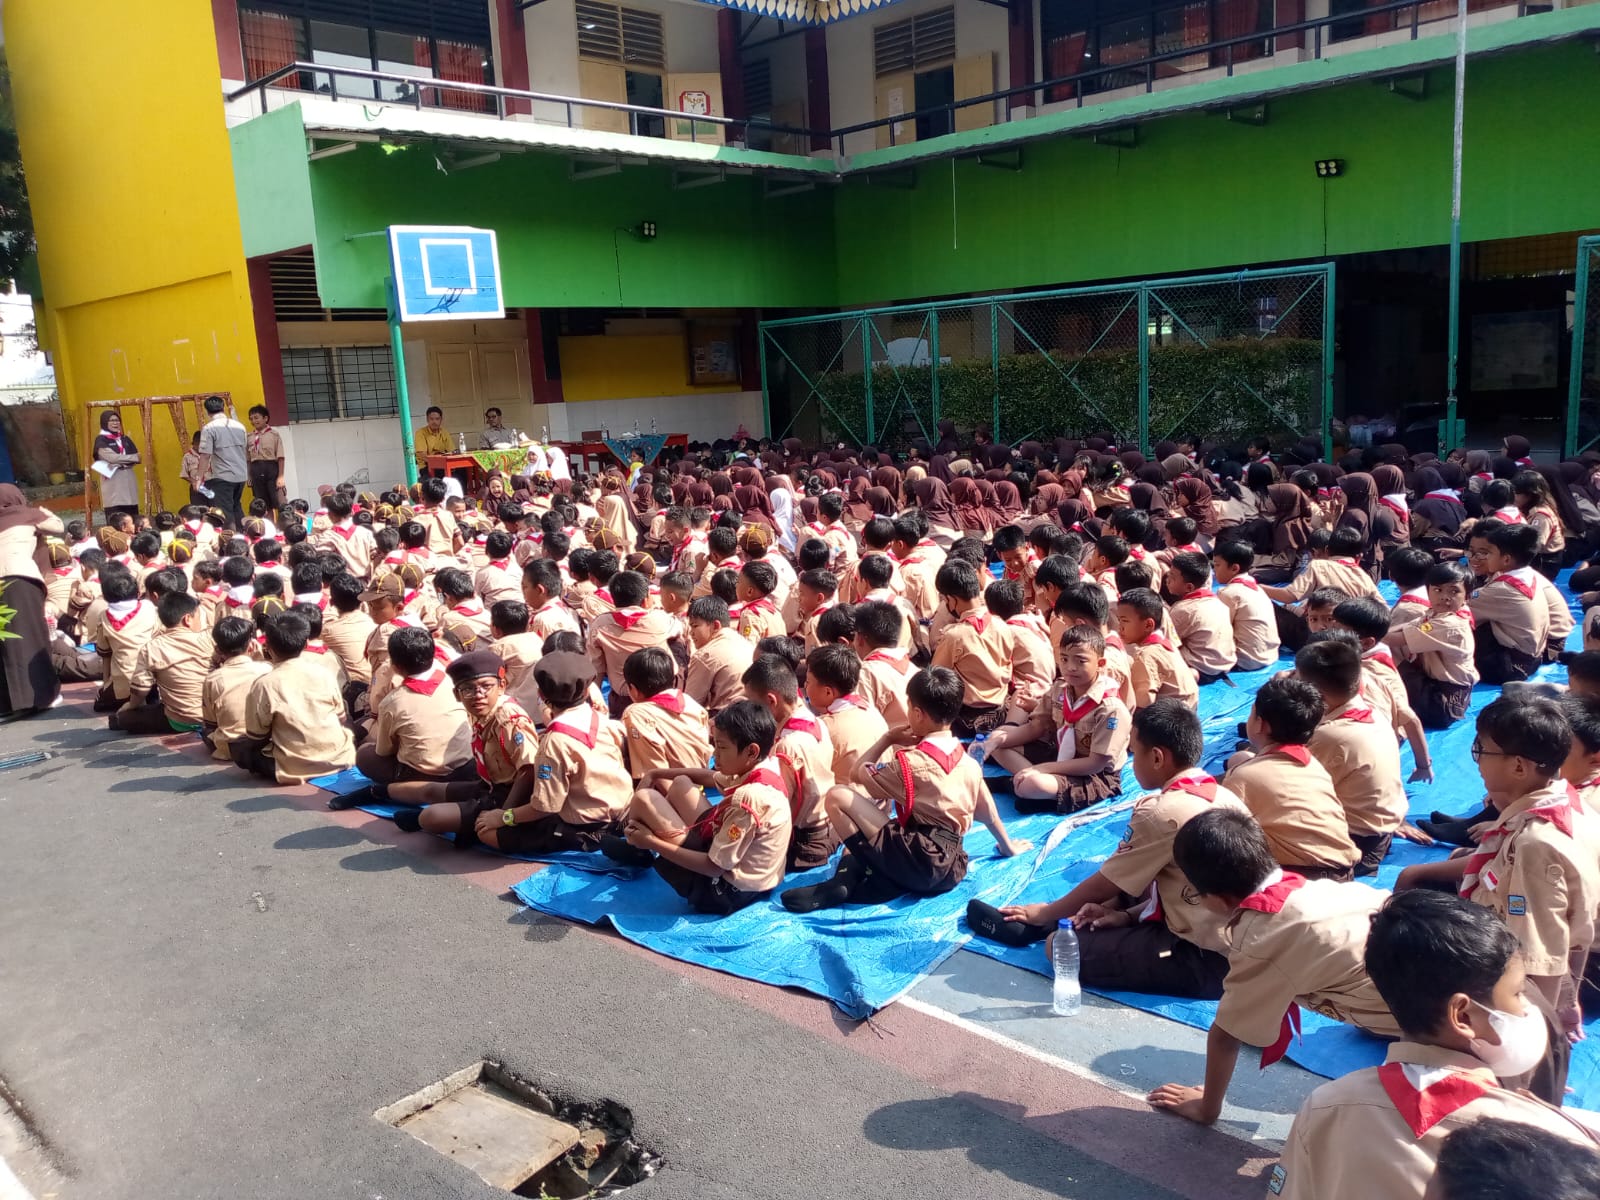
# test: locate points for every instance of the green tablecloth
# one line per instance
(507, 462)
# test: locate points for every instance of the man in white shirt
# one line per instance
(223, 458)
(495, 436)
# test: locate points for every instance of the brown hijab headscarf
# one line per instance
(1291, 519)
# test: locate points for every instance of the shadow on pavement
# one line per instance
(320, 837)
(389, 858)
(186, 785)
(539, 927)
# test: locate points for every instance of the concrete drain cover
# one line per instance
(517, 1136)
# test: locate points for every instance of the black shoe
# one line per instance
(831, 894)
(409, 819)
(1451, 831)
(620, 850)
(985, 921)
(373, 793)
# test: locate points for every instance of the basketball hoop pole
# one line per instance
(402, 393)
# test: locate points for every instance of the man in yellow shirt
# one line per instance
(432, 438)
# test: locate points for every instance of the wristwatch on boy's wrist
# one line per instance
(510, 817)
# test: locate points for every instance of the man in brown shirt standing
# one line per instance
(264, 449)
(720, 656)
(175, 661)
(615, 635)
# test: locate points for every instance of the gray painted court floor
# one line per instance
(208, 989)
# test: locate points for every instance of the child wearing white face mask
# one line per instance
(1452, 974)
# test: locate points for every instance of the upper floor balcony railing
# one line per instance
(1309, 39)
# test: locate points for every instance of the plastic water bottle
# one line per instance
(1067, 998)
(976, 749)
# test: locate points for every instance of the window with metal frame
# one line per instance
(630, 36)
(332, 383)
(926, 40)
(758, 87)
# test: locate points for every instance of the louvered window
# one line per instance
(629, 36)
(758, 87)
(915, 43)
(294, 294)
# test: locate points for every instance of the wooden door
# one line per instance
(974, 76)
(896, 94)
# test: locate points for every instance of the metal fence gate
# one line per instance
(1583, 387)
(1208, 356)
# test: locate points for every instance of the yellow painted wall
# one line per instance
(625, 366)
(119, 112)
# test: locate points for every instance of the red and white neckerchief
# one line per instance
(242, 596)
(1031, 621)
(316, 646)
(120, 612)
(1483, 476)
(1523, 462)
(1396, 503)
(1294, 751)
(501, 564)
(1521, 578)
(554, 605)
(61, 572)
(1424, 1096)
(881, 595)
(977, 619)
(1557, 806)
(1466, 615)
(1270, 897)
(1156, 638)
(604, 594)
(1137, 553)
(1192, 782)
(1380, 654)
(125, 558)
(1191, 548)
(826, 606)
(348, 531)
(577, 732)
(515, 715)
(1348, 562)
(216, 591)
(899, 659)
(273, 565)
(766, 773)
(1443, 494)
(115, 443)
(317, 598)
(760, 604)
(1351, 712)
(1510, 514)
(1414, 596)
(1200, 593)
(849, 700)
(627, 618)
(1244, 580)
(671, 700)
(468, 608)
(194, 526)
(1073, 711)
(945, 751)
(255, 440)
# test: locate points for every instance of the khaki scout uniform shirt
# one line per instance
(751, 829)
(918, 570)
(716, 670)
(1297, 808)
(1363, 759)
(124, 637)
(1255, 628)
(222, 700)
(265, 446)
(353, 543)
(1443, 645)
(318, 655)
(496, 581)
(1309, 952)
(1142, 864)
(552, 618)
(854, 727)
(504, 743)
(945, 784)
(669, 730)
(615, 635)
(422, 724)
(1156, 670)
(1033, 663)
(981, 649)
(885, 674)
(1095, 723)
(298, 706)
(1342, 573)
(760, 619)
(805, 753)
(1205, 632)
(1561, 622)
(1520, 621)
(1543, 881)
(442, 531)
(465, 626)
(177, 661)
(520, 653)
(347, 634)
(1411, 607)
(1349, 1138)
(909, 626)
(579, 773)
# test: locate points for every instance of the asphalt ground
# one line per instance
(208, 986)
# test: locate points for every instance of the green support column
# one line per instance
(866, 375)
(766, 396)
(933, 361)
(1588, 247)
(1144, 371)
(994, 361)
(402, 393)
(1327, 366)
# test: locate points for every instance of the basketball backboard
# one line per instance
(446, 273)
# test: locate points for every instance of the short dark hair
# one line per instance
(1330, 664)
(1173, 726)
(1367, 617)
(507, 617)
(146, 544)
(1235, 553)
(760, 576)
(339, 505)
(820, 579)
(1145, 603)
(875, 570)
(1529, 727)
(771, 673)
(543, 573)
(1290, 709)
(411, 650)
(1131, 523)
(723, 541)
(911, 526)
(1112, 548)
(433, 408)
(812, 553)
(166, 581)
(838, 623)
(1057, 571)
(1583, 665)
(1408, 566)
(313, 618)
(174, 607)
(1426, 946)
(1224, 853)
(1444, 573)
(1084, 635)
(725, 586)
(1497, 1159)
(830, 505)
(835, 666)
(499, 544)
(879, 624)
(563, 641)
(710, 609)
(650, 670)
(344, 592)
(1326, 597)
(214, 405)
(679, 583)
(629, 589)
(1498, 493)
(782, 646)
(1346, 542)
(413, 535)
(306, 578)
(1134, 574)
(959, 580)
(877, 533)
(1182, 529)
(287, 634)
(747, 724)
(1193, 566)
(1084, 601)
(1008, 538)
(1004, 598)
(1583, 715)
(117, 584)
(232, 635)
(937, 691)
(1519, 543)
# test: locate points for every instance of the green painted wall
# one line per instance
(1200, 192)
(271, 182)
(566, 243)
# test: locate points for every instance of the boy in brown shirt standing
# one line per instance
(902, 832)
(977, 647)
(720, 656)
(1292, 943)
(724, 857)
(1204, 623)
(1156, 669)
(1069, 753)
(833, 673)
(1250, 612)
(1139, 927)
(666, 729)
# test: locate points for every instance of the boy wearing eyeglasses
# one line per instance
(1537, 865)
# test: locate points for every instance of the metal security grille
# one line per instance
(1583, 394)
(467, 20)
(1215, 356)
(758, 88)
(621, 35)
(915, 43)
(329, 383)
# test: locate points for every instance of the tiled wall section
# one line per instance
(318, 452)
